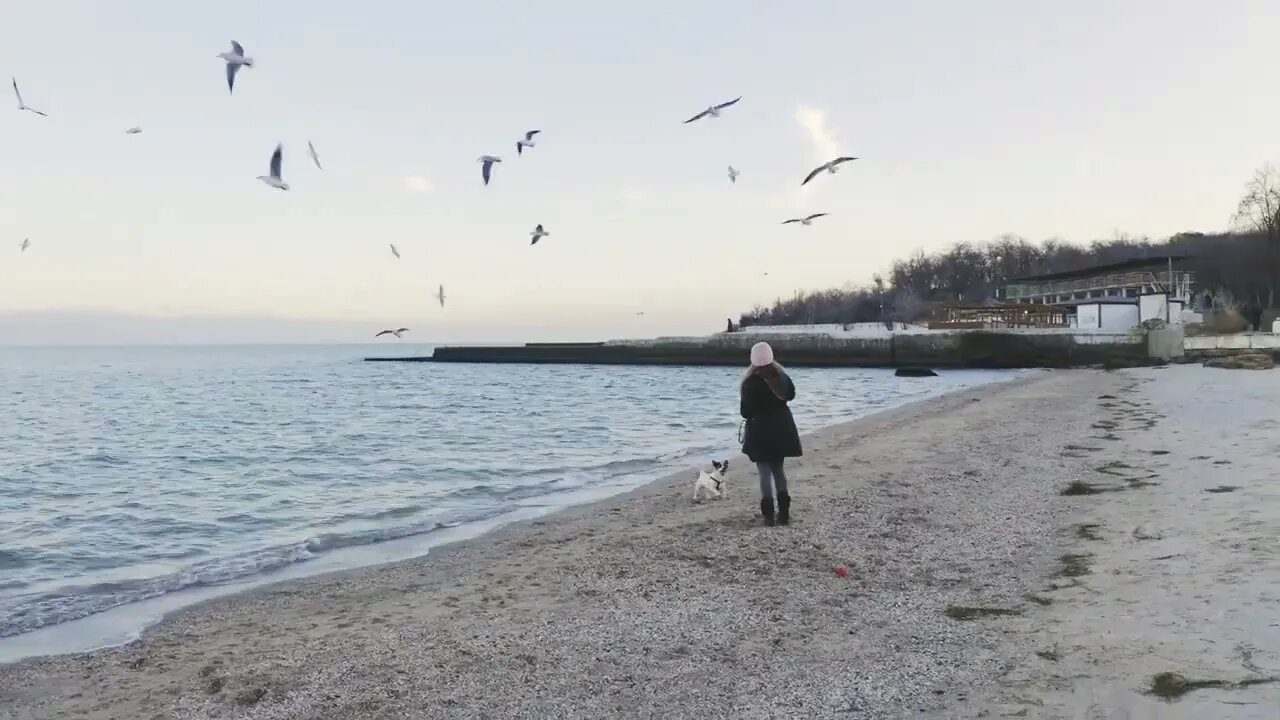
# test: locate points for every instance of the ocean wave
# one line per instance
(101, 458)
(11, 560)
(486, 500)
(71, 602)
(277, 479)
(625, 466)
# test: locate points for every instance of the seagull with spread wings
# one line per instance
(486, 166)
(526, 142)
(713, 111)
(807, 220)
(235, 60)
(397, 332)
(829, 167)
(274, 179)
(22, 105)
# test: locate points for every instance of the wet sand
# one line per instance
(946, 513)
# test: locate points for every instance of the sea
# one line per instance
(136, 480)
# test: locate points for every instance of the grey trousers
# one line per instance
(771, 476)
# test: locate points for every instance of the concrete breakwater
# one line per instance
(956, 349)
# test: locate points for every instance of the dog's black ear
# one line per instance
(716, 464)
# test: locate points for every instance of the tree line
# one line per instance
(1237, 266)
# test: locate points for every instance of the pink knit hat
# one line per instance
(761, 354)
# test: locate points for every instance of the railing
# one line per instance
(1013, 316)
(1181, 279)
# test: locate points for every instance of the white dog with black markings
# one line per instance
(712, 484)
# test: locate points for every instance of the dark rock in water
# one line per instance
(915, 372)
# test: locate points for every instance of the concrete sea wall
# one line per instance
(1203, 347)
(960, 349)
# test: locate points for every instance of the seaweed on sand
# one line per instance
(1087, 531)
(964, 612)
(1080, 487)
(1074, 565)
(1171, 685)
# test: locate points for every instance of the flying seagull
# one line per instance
(526, 142)
(830, 167)
(22, 105)
(315, 157)
(26, 243)
(486, 166)
(397, 332)
(808, 220)
(440, 295)
(235, 59)
(133, 130)
(733, 175)
(394, 251)
(274, 178)
(537, 234)
(713, 111)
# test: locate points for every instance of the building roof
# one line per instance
(1105, 301)
(1133, 264)
(1024, 307)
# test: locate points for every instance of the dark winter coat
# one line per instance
(771, 431)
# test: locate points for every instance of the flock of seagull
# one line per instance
(236, 59)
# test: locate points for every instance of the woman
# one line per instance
(771, 431)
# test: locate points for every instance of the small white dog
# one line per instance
(712, 484)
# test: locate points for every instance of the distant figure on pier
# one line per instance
(730, 327)
(771, 434)
(1252, 312)
(1206, 302)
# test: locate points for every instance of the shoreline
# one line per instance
(152, 614)
(976, 586)
(242, 655)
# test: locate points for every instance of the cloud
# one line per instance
(418, 184)
(814, 122)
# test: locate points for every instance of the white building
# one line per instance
(1117, 314)
(1115, 297)
(1130, 279)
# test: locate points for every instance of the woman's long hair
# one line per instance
(773, 375)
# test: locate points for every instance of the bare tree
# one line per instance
(1259, 212)
(1227, 265)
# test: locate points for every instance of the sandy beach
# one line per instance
(976, 588)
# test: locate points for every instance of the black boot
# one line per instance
(766, 509)
(784, 509)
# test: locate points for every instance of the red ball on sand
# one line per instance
(841, 571)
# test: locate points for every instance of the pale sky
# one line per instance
(972, 119)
